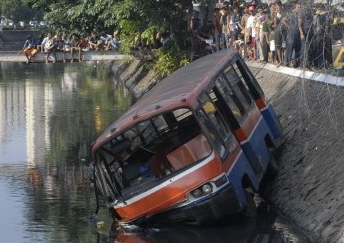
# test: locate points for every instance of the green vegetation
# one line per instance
(138, 22)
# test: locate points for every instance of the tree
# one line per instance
(138, 22)
(18, 11)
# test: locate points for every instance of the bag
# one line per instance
(284, 44)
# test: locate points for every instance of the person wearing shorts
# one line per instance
(28, 48)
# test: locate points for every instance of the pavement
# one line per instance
(17, 56)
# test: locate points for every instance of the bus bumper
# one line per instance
(215, 207)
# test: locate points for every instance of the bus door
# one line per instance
(222, 121)
(266, 109)
(252, 130)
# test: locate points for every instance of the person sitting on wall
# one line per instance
(49, 47)
(28, 48)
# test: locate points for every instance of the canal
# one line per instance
(49, 116)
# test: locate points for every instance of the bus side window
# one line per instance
(212, 134)
(209, 103)
(232, 101)
(247, 78)
(240, 93)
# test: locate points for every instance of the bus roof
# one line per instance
(180, 89)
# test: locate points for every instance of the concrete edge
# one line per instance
(309, 75)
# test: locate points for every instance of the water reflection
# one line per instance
(264, 227)
(49, 116)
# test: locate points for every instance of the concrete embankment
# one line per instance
(309, 188)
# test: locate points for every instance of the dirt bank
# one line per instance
(309, 188)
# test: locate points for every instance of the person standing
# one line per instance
(242, 25)
(280, 43)
(293, 41)
(234, 24)
(321, 38)
(305, 20)
(217, 28)
(252, 31)
(225, 15)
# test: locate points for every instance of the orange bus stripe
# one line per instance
(260, 103)
(240, 135)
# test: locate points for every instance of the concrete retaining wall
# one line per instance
(309, 188)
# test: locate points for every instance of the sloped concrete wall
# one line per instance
(309, 188)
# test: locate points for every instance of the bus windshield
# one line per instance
(151, 150)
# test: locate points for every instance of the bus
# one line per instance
(191, 149)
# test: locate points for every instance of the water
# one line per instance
(49, 115)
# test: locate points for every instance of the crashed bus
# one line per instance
(191, 148)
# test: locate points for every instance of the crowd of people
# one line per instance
(50, 45)
(293, 35)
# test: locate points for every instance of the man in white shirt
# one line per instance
(251, 26)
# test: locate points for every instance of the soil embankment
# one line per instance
(309, 188)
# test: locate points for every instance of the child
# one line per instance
(239, 44)
(28, 48)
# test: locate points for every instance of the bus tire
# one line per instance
(270, 173)
(251, 208)
(272, 168)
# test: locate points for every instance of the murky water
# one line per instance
(49, 115)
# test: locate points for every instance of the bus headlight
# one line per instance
(207, 188)
(197, 193)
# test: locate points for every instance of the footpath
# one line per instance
(18, 56)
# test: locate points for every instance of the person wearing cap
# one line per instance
(28, 48)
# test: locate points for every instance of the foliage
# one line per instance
(137, 21)
(168, 61)
(17, 11)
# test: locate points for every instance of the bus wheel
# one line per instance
(272, 169)
(251, 208)
(270, 173)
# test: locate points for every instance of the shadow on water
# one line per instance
(265, 227)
